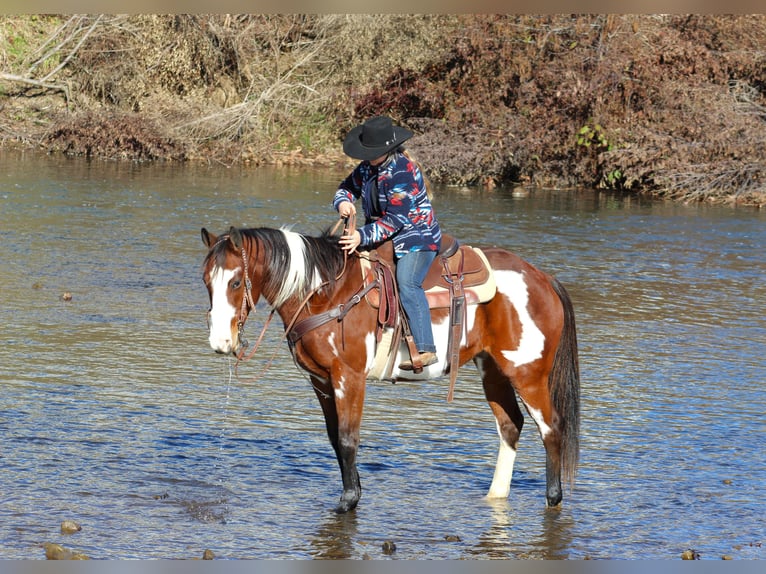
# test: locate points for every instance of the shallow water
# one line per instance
(116, 414)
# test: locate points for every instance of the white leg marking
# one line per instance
(537, 414)
(512, 285)
(501, 481)
(221, 311)
(506, 457)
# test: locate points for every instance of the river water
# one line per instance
(115, 413)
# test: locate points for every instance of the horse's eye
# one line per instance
(236, 284)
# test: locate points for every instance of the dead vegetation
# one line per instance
(669, 105)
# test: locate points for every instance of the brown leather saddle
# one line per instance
(468, 264)
(459, 275)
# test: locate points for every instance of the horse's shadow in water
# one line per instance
(335, 538)
(506, 541)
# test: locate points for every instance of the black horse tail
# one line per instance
(564, 387)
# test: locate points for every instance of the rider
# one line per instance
(396, 206)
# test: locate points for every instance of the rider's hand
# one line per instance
(346, 209)
(351, 241)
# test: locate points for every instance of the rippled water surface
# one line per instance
(115, 413)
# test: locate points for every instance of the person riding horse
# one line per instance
(397, 207)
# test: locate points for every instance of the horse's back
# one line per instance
(505, 260)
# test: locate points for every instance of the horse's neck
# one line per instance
(288, 310)
(330, 293)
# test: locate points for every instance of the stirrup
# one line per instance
(426, 359)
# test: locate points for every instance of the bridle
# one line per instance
(246, 300)
(244, 311)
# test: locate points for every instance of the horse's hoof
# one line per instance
(553, 498)
(346, 504)
(343, 508)
(553, 502)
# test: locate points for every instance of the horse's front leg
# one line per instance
(342, 401)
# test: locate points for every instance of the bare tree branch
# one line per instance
(75, 49)
(73, 21)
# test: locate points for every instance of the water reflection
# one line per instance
(334, 540)
(497, 541)
(550, 539)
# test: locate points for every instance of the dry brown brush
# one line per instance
(671, 105)
(668, 105)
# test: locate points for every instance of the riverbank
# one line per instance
(670, 106)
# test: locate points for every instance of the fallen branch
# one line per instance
(37, 83)
(45, 82)
(718, 180)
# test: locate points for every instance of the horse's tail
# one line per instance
(564, 387)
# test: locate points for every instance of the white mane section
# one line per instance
(298, 278)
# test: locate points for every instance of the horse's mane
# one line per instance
(294, 263)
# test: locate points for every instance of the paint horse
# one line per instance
(522, 340)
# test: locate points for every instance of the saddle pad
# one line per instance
(381, 364)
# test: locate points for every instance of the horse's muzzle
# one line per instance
(225, 347)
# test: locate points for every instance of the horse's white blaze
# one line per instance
(512, 285)
(222, 313)
(538, 416)
(501, 481)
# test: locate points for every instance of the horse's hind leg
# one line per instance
(553, 494)
(541, 409)
(502, 400)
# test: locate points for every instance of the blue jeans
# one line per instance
(411, 270)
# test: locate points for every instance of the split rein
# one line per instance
(349, 223)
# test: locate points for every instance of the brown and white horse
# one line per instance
(523, 342)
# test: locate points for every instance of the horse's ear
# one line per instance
(236, 237)
(208, 238)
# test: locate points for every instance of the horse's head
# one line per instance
(224, 274)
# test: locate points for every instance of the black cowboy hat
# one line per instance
(374, 138)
